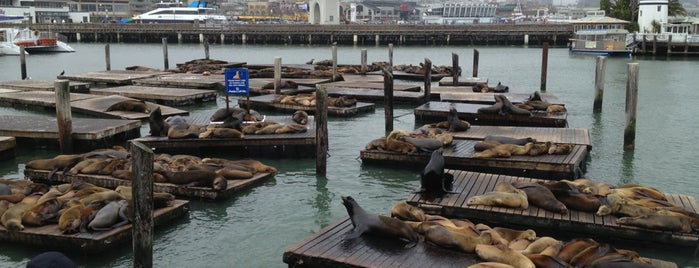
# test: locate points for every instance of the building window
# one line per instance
(658, 8)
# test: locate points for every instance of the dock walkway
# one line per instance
(459, 156)
(160, 95)
(435, 111)
(543, 134)
(183, 80)
(74, 86)
(489, 98)
(119, 77)
(469, 184)
(265, 102)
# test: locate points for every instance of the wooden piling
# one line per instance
(277, 75)
(428, 79)
(335, 76)
(321, 118)
(206, 48)
(22, 62)
(142, 192)
(631, 98)
(390, 56)
(599, 84)
(388, 99)
(475, 62)
(363, 62)
(455, 68)
(64, 118)
(107, 58)
(166, 65)
(544, 65)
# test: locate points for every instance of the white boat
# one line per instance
(11, 39)
(600, 35)
(180, 15)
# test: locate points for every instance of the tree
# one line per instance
(675, 8)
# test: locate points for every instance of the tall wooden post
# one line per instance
(107, 57)
(277, 75)
(390, 57)
(321, 118)
(388, 99)
(22, 62)
(335, 76)
(206, 48)
(544, 65)
(428, 79)
(142, 192)
(166, 65)
(64, 118)
(363, 62)
(631, 98)
(455, 68)
(599, 84)
(475, 62)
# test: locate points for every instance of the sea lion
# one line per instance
(509, 108)
(12, 218)
(500, 199)
(456, 124)
(160, 199)
(129, 106)
(156, 123)
(573, 247)
(69, 219)
(500, 88)
(434, 182)
(423, 144)
(103, 196)
(256, 165)
(504, 150)
(110, 216)
(490, 264)
(407, 212)
(291, 129)
(234, 122)
(672, 223)
(556, 109)
(540, 244)
(376, 144)
(503, 254)
(540, 196)
(222, 133)
(548, 261)
(234, 174)
(513, 234)
(51, 259)
(509, 140)
(270, 129)
(45, 209)
(492, 109)
(443, 237)
(375, 224)
(61, 162)
(571, 197)
(300, 117)
(196, 177)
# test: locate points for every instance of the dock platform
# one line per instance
(178, 190)
(119, 77)
(272, 145)
(7, 147)
(362, 85)
(265, 102)
(372, 95)
(553, 134)
(257, 86)
(74, 86)
(459, 156)
(489, 98)
(184, 80)
(161, 95)
(87, 132)
(328, 248)
(575, 222)
(50, 237)
(435, 111)
(461, 81)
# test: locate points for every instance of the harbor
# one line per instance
(256, 224)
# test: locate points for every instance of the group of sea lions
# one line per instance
(419, 141)
(225, 123)
(504, 107)
(74, 207)
(501, 146)
(310, 100)
(484, 88)
(495, 246)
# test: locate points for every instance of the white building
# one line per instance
(649, 11)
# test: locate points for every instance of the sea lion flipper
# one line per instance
(355, 232)
(411, 244)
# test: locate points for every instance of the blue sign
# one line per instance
(237, 82)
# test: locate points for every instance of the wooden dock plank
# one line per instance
(265, 102)
(459, 156)
(543, 134)
(43, 85)
(489, 98)
(160, 95)
(43, 99)
(434, 111)
(372, 78)
(48, 236)
(363, 85)
(45, 127)
(575, 221)
(261, 86)
(122, 77)
(371, 95)
(461, 81)
(184, 80)
(98, 106)
(110, 182)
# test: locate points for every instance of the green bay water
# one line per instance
(256, 225)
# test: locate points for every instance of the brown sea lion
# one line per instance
(573, 247)
(571, 197)
(638, 191)
(513, 234)
(509, 140)
(504, 150)
(500, 199)
(222, 133)
(555, 109)
(198, 177)
(45, 209)
(456, 124)
(540, 196)
(300, 117)
(258, 166)
(102, 196)
(441, 236)
(672, 223)
(12, 218)
(269, 129)
(540, 244)
(503, 254)
(375, 224)
(376, 144)
(129, 106)
(69, 219)
(160, 199)
(61, 162)
(590, 254)
(407, 212)
(234, 174)
(490, 264)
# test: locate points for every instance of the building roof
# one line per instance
(599, 20)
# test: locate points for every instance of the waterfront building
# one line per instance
(460, 13)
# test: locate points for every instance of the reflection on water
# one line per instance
(627, 170)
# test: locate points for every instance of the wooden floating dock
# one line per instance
(273, 145)
(87, 132)
(458, 156)
(558, 135)
(401, 75)
(184, 80)
(434, 111)
(160, 95)
(81, 103)
(7, 147)
(307, 82)
(587, 224)
(257, 84)
(362, 85)
(368, 78)
(489, 98)
(178, 190)
(49, 237)
(372, 95)
(328, 248)
(119, 77)
(265, 102)
(462, 81)
(77, 87)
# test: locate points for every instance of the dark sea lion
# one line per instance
(456, 124)
(500, 88)
(443, 237)
(375, 224)
(590, 254)
(672, 223)
(572, 198)
(156, 123)
(508, 140)
(51, 259)
(540, 196)
(424, 144)
(573, 247)
(547, 261)
(129, 106)
(434, 182)
(509, 108)
(502, 254)
(300, 117)
(492, 109)
(234, 122)
(270, 129)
